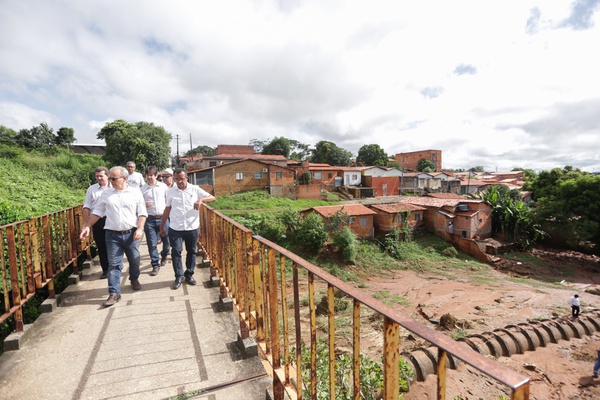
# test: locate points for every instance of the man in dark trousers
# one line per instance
(183, 203)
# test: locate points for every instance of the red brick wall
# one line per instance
(308, 191)
(377, 182)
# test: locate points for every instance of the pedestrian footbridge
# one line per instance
(248, 330)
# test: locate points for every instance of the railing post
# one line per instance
(391, 348)
(14, 277)
(441, 374)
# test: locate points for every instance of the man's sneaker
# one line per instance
(154, 271)
(163, 261)
(112, 299)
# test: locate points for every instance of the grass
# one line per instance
(258, 200)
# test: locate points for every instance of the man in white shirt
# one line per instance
(125, 214)
(167, 179)
(575, 304)
(183, 203)
(135, 179)
(92, 196)
(155, 195)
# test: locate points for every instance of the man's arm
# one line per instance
(137, 235)
(164, 219)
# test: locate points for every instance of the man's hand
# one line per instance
(197, 204)
(85, 232)
(137, 235)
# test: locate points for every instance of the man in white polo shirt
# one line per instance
(92, 196)
(183, 203)
(155, 195)
(125, 214)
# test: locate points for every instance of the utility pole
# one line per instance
(191, 147)
(177, 141)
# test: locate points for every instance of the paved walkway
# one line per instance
(157, 343)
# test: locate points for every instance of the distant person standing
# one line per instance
(125, 213)
(183, 203)
(167, 176)
(92, 196)
(575, 304)
(135, 179)
(155, 195)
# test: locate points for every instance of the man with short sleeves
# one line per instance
(125, 213)
(183, 203)
(155, 194)
(92, 196)
(135, 179)
(167, 175)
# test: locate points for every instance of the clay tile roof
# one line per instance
(434, 202)
(394, 208)
(446, 196)
(350, 209)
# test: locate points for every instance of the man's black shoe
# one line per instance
(104, 275)
(177, 282)
(163, 261)
(154, 271)
(190, 280)
(135, 284)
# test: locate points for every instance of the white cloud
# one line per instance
(499, 85)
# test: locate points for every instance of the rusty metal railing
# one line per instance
(254, 272)
(32, 253)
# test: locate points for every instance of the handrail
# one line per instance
(252, 270)
(33, 252)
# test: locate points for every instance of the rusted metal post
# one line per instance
(298, 330)
(356, 348)
(391, 348)
(441, 374)
(14, 277)
(331, 337)
(313, 335)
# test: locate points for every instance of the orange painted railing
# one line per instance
(268, 285)
(33, 253)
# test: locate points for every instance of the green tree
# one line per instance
(38, 137)
(478, 168)
(64, 137)
(528, 173)
(142, 142)
(279, 146)
(299, 151)
(425, 165)
(7, 135)
(372, 154)
(206, 150)
(328, 153)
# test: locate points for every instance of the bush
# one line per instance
(311, 234)
(450, 252)
(345, 241)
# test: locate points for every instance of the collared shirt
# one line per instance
(92, 195)
(157, 195)
(135, 180)
(121, 208)
(575, 301)
(183, 217)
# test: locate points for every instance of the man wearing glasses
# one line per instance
(125, 213)
(183, 203)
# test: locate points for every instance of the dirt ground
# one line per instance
(557, 371)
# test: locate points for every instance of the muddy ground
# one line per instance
(514, 292)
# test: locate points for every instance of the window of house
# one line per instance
(212, 164)
(354, 177)
(258, 175)
(417, 217)
(239, 176)
(363, 222)
(464, 234)
(329, 175)
(318, 175)
(399, 218)
(278, 174)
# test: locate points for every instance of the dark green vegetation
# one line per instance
(567, 206)
(142, 142)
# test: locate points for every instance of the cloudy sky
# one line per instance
(501, 84)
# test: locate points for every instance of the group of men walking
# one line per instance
(121, 207)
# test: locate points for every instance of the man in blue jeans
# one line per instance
(155, 195)
(183, 203)
(125, 214)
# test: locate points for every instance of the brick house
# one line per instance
(384, 181)
(397, 215)
(448, 214)
(361, 217)
(411, 159)
(225, 154)
(245, 175)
